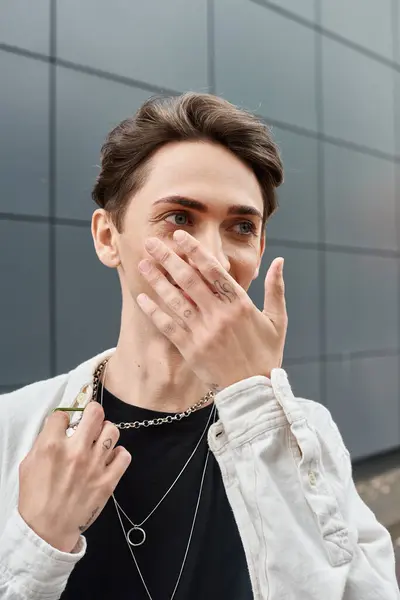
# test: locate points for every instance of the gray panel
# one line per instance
(397, 38)
(305, 380)
(25, 25)
(88, 299)
(88, 108)
(397, 108)
(398, 198)
(254, 68)
(351, 97)
(24, 302)
(365, 22)
(161, 43)
(302, 297)
(362, 303)
(24, 154)
(360, 199)
(305, 8)
(297, 217)
(363, 397)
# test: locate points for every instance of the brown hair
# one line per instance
(189, 117)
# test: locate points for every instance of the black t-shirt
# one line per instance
(215, 568)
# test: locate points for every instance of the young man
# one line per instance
(236, 489)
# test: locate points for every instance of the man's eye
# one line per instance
(245, 228)
(178, 218)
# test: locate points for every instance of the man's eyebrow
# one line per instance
(234, 209)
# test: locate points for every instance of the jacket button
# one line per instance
(312, 478)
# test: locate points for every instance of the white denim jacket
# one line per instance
(307, 534)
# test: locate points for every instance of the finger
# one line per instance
(171, 328)
(91, 424)
(274, 298)
(106, 441)
(185, 276)
(217, 278)
(121, 459)
(170, 294)
(56, 424)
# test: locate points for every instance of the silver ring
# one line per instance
(142, 531)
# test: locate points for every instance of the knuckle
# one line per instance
(224, 322)
(207, 341)
(110, 428)
(115, 432)
(95, 410)
(51, 446)
(59, 415)
(245, 307)
(126, 455)
(78, 458)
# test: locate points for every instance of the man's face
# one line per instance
(202, 188)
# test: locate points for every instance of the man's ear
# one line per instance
(262, 249)
(105, 237)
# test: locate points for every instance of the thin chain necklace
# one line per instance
(209, 396)
(139, 527)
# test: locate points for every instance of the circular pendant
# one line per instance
(136, 536)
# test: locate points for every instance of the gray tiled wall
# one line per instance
(325, 75)
(367, 23)
(253, 66)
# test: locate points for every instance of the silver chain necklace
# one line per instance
(139, 527)
(209, 396)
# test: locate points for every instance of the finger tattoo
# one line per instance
(225, 289)
(107, 444)
(187, 313)
(83, 528)
(175, 303)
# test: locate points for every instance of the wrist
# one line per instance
(58, 541)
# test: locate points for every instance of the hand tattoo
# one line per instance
(225, 289)
(83, 528)
(107, 444)
(187, 313)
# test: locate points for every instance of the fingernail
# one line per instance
(141, 299)
(145, 265)
(179, 236)
(281, 265)
(151, 244)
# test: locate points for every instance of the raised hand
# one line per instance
(64, 483)
(217, 329)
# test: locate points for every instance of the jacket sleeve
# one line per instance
(31, 569)
(306, 532)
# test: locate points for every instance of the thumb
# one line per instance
(274, 297)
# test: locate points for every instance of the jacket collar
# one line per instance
(79, 388)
